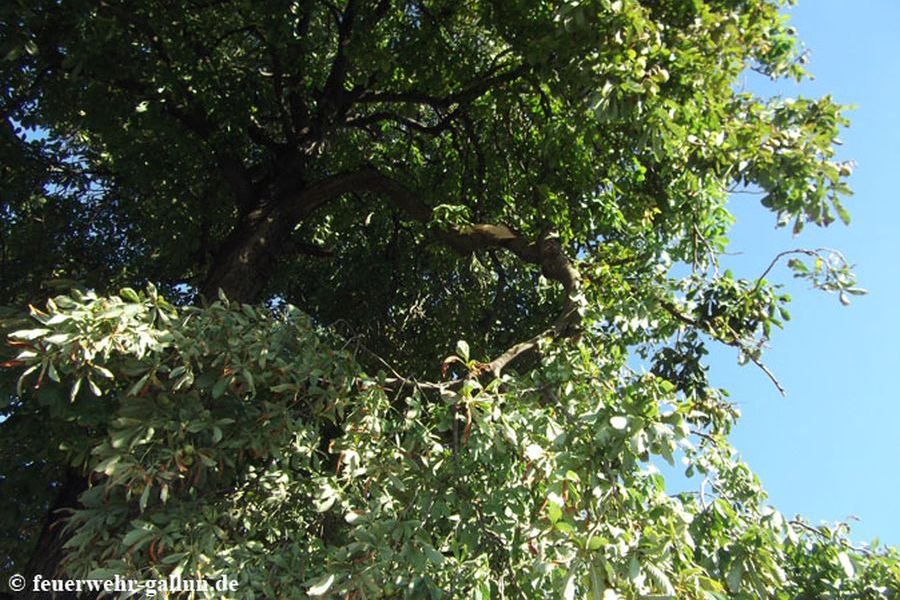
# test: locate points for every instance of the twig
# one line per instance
(770, 375)
(864, 551)
(672, 310)
(815, 252)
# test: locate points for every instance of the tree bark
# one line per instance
(48, 552)
(247, 258)
(244, 264)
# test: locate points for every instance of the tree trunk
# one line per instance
(48, 552)
(243, 265)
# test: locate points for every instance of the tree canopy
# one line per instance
(402, 298)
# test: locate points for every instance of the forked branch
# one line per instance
(546, 252)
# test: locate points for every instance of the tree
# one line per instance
(488, 213)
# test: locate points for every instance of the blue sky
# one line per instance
(830, 448)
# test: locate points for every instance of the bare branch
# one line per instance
(821, 534)
(804, 251)
(770, 375)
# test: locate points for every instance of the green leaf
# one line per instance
(462, 350)
(323, 504)
(138, 387)
(171, 559)
(95, 389)
(321, 586)
(73, 393)
(28, 334)
(618, 422)
(660, 579)
(21, 381)
(108, 466)
(58, 339)
(220, 386)
(735, 577)
(569, 588)
(136, 536)
(595, 542)
(145, 496)
(129, 295)
(104, 372)
(554, 512)
(433, 555)
(52, 372)
(846, 564)
(598, 585)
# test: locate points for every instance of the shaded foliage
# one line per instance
(547, 181)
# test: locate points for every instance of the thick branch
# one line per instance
(247, 259)
(298, 56)
(547, 253)
(474, 90)
(335, 98)
(334, 86)
(362, 121)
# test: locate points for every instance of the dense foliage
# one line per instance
(207, 456)
(501, 223)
